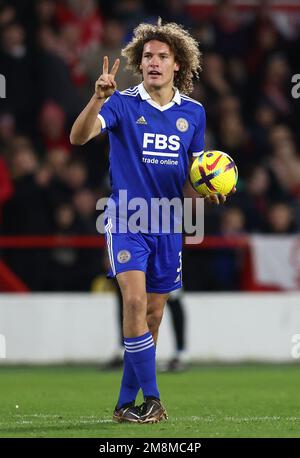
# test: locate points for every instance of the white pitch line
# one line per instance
(38, 415)
(242, 419)
(81, 420)
(24, 422)
(266, 418)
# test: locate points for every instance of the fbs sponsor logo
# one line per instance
(141, 120)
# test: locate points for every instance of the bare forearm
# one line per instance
(82, 128)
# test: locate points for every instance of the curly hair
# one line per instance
(183, 45)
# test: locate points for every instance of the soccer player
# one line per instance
(155, 131)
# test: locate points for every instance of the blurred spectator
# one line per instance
(52, 124)
(62, 177)
(232, 222)
(44, 175)
(85, 16)
(265, 39)
(53, 173)
(81, 29)
(258, 196)
(215, 84)
(235, 140)
(69, 270)
(229, 104)
(130, 13)
(23, 162)
(175, 11)
(69, 39)
(203, 33)
(280, 219)
(27, 213)
(18, 142)
(16, 62)
(213, 75)
(230, 37)
(7, 15)
(84, 201)
(45, 11)
(261, 188)
(226, 262)
(76, 175)
(53, 75)
(280, 134)
(285, 164)
(65, 219)
(113, 41)
(275, 88)
(65, 271)
(48, 39)
(7, 131)
(57, 159)
(238, 78)
(6, 186)
(265, 118)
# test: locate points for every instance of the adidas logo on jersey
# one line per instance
(141, 120)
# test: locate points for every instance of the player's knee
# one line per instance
(154, 318)
(135, 305)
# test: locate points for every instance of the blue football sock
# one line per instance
(130, 385)
(141, 353)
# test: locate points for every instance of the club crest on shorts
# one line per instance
(124, 256)
(182, 124)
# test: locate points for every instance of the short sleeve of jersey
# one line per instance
(110, 113)
(197, 144)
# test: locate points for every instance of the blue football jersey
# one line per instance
(150, 147)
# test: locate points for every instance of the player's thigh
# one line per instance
(164, 271)
(127, 252)
(132, 284)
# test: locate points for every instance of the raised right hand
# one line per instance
(105, 85)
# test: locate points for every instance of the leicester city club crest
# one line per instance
(124, 256)
(182, 124)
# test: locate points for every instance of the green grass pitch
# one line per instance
(208, 401)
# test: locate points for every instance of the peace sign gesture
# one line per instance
(105, 85)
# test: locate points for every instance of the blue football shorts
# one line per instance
(159, 256)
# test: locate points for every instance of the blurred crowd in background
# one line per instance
(51, 54)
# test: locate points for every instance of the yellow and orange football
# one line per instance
(213, 172)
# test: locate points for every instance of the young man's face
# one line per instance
(158, 64)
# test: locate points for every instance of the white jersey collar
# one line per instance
(146, 96)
